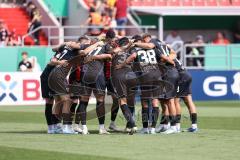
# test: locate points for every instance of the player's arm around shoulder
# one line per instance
(100, 57)
(145, 45)
(129, 60)
(89, 49)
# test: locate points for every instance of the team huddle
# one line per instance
(125, 68)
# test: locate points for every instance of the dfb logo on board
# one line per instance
(20, 88)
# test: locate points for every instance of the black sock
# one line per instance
(155, 114)
(132, 110)
(194, 118)
(172, 120)
(145, 117)
(66, 118)
(164, 119)
(81, 113)
(72, 110)
(100, 109)
(48, 113)
(128, 115)
(178, 118)
(114, 110)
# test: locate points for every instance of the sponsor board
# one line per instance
(216, 85)
(20, 88)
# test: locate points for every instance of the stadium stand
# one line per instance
(19, 22)
(17, 18)
(180, 3)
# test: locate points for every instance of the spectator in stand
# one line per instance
(120, 14)
(173, 37)
(98, 5)
(25, 65)
(106, 21)
(221, 39)
(109, 7)
(30, 9)
(3, 34)
(237, 33)
(34, 24)
(94, 20)
(14, 39)
(196, 51)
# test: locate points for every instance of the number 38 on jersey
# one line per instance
(147, 57)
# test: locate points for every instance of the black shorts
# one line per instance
(151, 84)
(124, 82)
(57, 81)
(97, 88)
(45, 90)
(110, 89)
(74, 89)
(171, 76)
(184, 84)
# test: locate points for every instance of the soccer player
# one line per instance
(110, 37)
(57, 81)
(170, 74)
(184, 92)
(93, 80)
(51, 119)
(124, 79)
(74, 84)
(151, 84)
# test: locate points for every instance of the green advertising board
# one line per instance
(11, 56)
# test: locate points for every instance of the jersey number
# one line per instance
(95, 51)
(147, 57)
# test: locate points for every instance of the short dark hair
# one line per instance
(110, 34)
(24, 53)
(123, 41)
(82, 38)
(145, 35)
(92, 9)
(136, 38)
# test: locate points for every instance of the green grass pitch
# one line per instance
(23, 137)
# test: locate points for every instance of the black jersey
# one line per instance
(123, 79)
(165, 50)
(146, 60)
(92, 70)
(49, 67)
(66, 53)
(24, 64)
(3, 34)
(120, 58)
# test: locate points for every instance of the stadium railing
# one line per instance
(82, 30)
(214, 57)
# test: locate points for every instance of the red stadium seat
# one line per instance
(174, 2)
(224, 3)
(148, 2)
(136, 3)
(212, 3)
(236, 2)
(199, 2)
(187, 2)
(161, 2)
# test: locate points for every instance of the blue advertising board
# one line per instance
(216, 85)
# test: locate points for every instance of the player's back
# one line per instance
(146, 60)
(92, 70)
